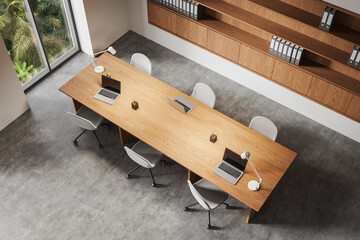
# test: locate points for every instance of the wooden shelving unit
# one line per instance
(316, 78)
(311, 44)
(310, 19)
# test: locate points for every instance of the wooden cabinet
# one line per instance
(192, 31)
(291, 77)
(330, 95)
(223, 45)
(162, 18)
(256, 61)
(354, 108)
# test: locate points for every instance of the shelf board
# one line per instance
(309, 19)
(329, 75)
(234, 33)
(308, 43)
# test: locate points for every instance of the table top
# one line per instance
(183, 138)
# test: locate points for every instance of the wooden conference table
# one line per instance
(183, 138)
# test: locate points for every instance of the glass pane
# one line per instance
(53, 27)
(19, 39)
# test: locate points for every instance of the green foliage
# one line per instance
(19, 37)
(23, 71)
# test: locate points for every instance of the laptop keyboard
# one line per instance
(185, 107)
(233, 172)
(108, 94)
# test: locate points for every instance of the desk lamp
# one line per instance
(100, 69)
(252, 185)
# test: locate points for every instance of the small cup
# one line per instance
(135, 105)
(213, 138)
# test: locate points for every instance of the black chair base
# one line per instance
(153, 183)
(209, 226)
(77, 144)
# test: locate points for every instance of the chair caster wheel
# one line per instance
(153, 184)
(100, 146)
(227, 206)
(186, 209)
(163, 162)
(128, 176)
(208, 226)
(75, 143)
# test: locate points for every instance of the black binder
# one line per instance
(281, 47)
(357, 61)
(285, 49)
(272, 44)
(330, 19)
(294, 54)
(324, 18)
(289, 52)
(353, 55)
(299, 56)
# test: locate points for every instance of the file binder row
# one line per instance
(286, 50)
(354, 60)
(327, 19)
(187, 8)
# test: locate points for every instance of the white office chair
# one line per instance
(87, 119)
(145, 156)
(141, 62)
(208, 196)
(264, 126)
(203, 93)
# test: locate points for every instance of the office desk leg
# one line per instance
(250, 215)
(271, 197)
(77, 105)
(193, 177)
(124, 136)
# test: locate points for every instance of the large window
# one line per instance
(38, 34)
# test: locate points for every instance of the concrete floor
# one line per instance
(50, 189)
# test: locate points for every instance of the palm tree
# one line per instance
(18, 34)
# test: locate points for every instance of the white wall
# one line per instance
(82, 26)
(107, 21)
(137, 11)
(99, 23)
(351, 5)
(12, 98)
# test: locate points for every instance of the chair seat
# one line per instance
(147, 152)
(90, 115)
(212, 195)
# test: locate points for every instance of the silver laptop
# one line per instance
(110, 90)
(181, 104)
(231, 168)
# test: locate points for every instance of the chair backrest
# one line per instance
(138, 158)
(264, 126)
(142, 62)
(198, 196)
(203, 93)
(81, 122)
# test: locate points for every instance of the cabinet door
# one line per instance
(291, 77)
(329, 94)
(354, 108)
(223, 46)
(192, 31)
(162, 18)
(256, 61)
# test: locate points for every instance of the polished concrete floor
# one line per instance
(50, 189)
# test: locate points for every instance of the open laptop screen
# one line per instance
(111, 84)
(236, 162)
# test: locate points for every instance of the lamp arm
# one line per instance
(253, 167)
(92, 60)
(99, 53)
